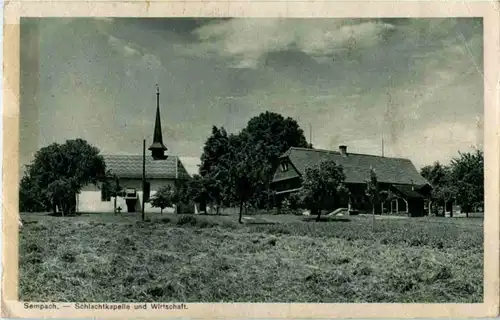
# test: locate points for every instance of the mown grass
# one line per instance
(209, 259)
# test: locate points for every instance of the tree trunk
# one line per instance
(161, 210)
(373, 217)
(430, 207)
(54, 206)
(241, 212)
(451, 210)
(318, 218)
(444, 209)
(114, 204)
(467, 213)
(61, 208)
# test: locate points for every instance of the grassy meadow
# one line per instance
(270, 258)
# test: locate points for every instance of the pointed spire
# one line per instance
(157, 147)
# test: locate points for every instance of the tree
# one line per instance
(254, 151)
(270, 135)
(216, 191)
(243, 171)
(445, 193)
(322, 186)
(435, 173)
(385, 195)
(31, 199)
(206, 189)
(439, 177)
(62, 190)
(461, 181)
(163, 198)
(111, 185)
(276, 132)
(181, 195)
(467, 175)
(59, 172)
(216, 147)
(197, 191)
(294, 200)
(214, 169)
(373, 190)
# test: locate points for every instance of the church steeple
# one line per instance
(157, 147)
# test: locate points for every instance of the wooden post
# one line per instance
(373, 220)
(407, 207)
(373, 217)
(177, 186)
(143, 174)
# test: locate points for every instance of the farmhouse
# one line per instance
(407, 190)
(128, 168)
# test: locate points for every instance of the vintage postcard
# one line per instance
(239, 160)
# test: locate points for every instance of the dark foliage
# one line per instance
(461, 182)
(323, 185)
(58, 173)
(163, 198)
(238, 168)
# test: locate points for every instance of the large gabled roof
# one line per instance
(357, 166)
(130, 166)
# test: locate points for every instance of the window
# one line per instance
(284, 167)
(130, 193)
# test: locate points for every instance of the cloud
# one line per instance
(151, 61)
(423, 146)
(137, 59)
(432, 140)
(342, 39)
(124, 47)
(246, 41)
(130, 52)
(330, 73)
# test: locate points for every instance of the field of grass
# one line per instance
(103, 257)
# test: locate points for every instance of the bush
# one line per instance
(187, 220)
(294, 201)
(164, 220)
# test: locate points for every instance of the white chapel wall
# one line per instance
(89, 199)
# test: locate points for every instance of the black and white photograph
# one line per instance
(251, 160)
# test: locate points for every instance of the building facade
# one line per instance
(407, 190)
(128, 169)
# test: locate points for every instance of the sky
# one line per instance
(416, 84)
